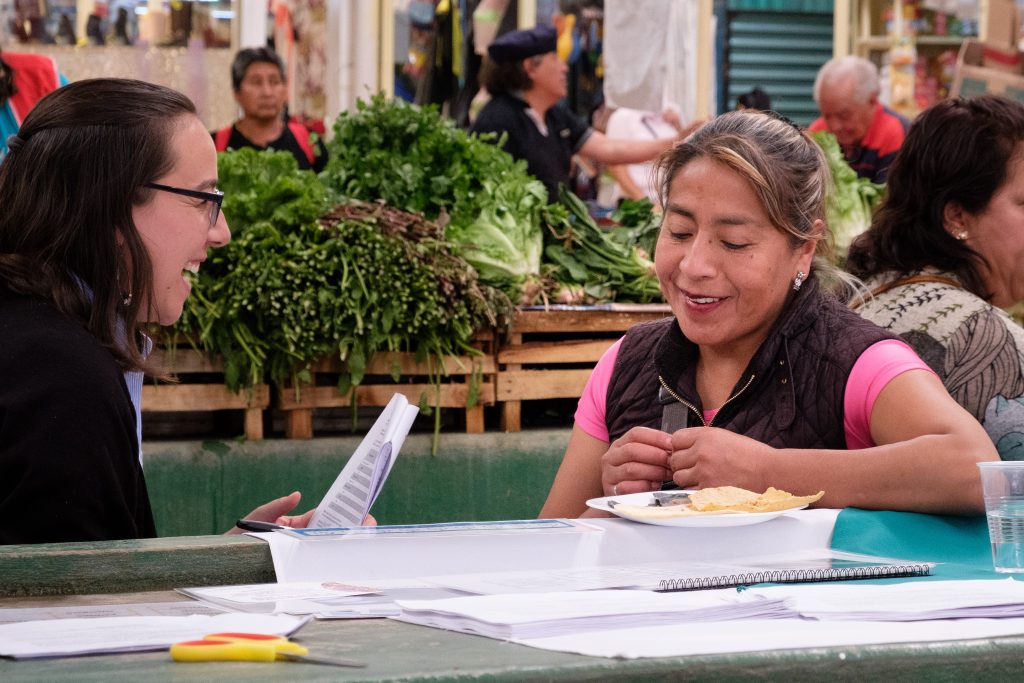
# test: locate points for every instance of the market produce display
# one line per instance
(851, 200)
(415, 237)
(300, 282)
(414, 159)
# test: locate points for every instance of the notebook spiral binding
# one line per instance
(793, 576)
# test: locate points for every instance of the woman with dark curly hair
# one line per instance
(945, 253)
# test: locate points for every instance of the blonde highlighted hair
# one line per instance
(786, 170)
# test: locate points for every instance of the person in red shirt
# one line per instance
(24, 80)
(870, 134)
(261, 90)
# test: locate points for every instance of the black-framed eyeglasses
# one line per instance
(216, 198)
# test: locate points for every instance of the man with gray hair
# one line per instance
(870, 134)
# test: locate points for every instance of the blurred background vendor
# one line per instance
(846, 91)
(527, 81)
(261, 90)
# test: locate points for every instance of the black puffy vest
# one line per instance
(789, 396)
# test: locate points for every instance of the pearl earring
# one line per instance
(961, 235)
(798, 281)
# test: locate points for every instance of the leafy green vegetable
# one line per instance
(638, 225)
(268, 186)
(851, 200)
(413, 159)
(360, 279)
(587, 255)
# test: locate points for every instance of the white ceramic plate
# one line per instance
(721, 519)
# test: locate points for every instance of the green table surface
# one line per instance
(402, 652)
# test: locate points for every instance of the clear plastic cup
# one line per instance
(1003, 486)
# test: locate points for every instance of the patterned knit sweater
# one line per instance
(976, 349)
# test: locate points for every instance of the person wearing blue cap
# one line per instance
(527, 82)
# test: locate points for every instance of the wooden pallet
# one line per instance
(378, 387)
(204, 395)
(550, 354)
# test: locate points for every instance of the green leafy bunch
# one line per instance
(356, 280)
(637, 225)
(851, 199)
(268, 186)
(584, 254)
(267, 200)
(414, 159)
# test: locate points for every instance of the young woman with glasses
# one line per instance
(109, 205)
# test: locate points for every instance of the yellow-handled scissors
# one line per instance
(249, 647)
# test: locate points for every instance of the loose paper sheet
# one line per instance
(274, 598)
(752, 635)
(63, 637)
(909, 601)
(138, 609)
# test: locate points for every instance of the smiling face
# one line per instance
(176, 229)
(723, 267)
(997, 233)
(263, 92)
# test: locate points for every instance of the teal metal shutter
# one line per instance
(778, 45)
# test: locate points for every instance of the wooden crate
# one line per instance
(205, 394)
(414, 381)
(550, 353)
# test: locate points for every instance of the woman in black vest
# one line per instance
(763, 378)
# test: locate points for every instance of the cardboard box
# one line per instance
(973, 78)
(1002, 24)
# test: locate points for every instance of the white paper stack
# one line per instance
(909, 601)
(274, 598)
(107, 635)
(542, 615)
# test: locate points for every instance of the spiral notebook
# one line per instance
(809, 567)
(681, 575)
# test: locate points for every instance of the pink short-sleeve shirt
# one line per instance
(876, 367)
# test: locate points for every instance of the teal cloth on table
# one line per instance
(960, 544)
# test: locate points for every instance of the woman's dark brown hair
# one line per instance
(505, 77)
(74, 172)
(958, 151)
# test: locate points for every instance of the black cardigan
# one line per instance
(69, 453)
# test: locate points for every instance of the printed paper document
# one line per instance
(352, 495)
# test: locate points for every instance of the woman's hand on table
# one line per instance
(709, 456)
(637, 462)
